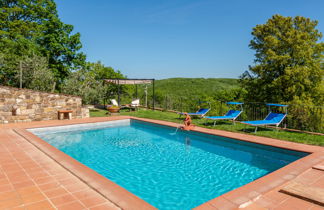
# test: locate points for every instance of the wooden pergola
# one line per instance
(132, 82)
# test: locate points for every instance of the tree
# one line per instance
(32, 27)
(288, 62)
(88, 83)
(83, 83)
(36, 75)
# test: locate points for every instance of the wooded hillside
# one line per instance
(194, 86)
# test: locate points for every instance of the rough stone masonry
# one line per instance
(24, 105)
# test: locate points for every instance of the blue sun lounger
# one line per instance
(200, 113)
(230, 115)
(271, 119)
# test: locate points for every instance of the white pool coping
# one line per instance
(79, 127)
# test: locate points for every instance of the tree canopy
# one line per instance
(288, 62)
(33, 27)
(88, 83)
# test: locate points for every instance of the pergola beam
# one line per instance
(130, 81)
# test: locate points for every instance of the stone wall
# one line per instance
(24, 105)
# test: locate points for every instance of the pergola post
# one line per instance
(153, 94)
(136, 91)
(118, 93)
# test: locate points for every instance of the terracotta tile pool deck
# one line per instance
(35, 175)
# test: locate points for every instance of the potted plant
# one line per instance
(113, 109)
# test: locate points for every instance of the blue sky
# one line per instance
(176, 38)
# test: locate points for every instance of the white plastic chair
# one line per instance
(114, 102)
(135, 103)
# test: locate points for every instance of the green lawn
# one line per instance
(223, 125)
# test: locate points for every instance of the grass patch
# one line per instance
(222, 125)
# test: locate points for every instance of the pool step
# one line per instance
(312, 194)
(319, 167)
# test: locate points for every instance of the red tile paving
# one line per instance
(35, 175)
(29, 179)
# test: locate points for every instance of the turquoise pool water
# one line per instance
(168, 170)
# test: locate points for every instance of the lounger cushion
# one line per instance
(261, 122)
(233, 113)
(277, 117)
(230, 115)
(219, 118)
(199, 112)
(271, 119)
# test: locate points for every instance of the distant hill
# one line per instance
(194, 86)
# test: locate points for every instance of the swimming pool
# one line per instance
(169, 170)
